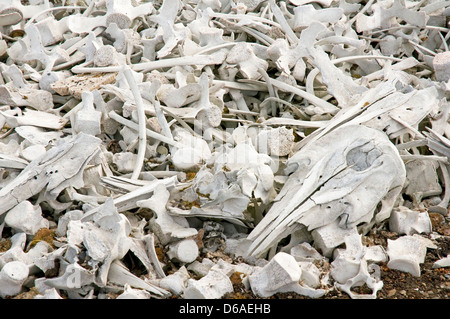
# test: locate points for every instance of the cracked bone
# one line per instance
(58, 168)
(12, 277)
(26, 218)
(350, 269)
(338, 83)
(399, 113)
(213, 286)
(408, 222)
(184, 251)
(37, 135)
(339, 179)
(407, 253)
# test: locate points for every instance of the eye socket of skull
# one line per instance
(362, 157)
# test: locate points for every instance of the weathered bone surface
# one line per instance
(58, 168)
(407, 253)
(326, 186)
(351, 268)
(152, 149)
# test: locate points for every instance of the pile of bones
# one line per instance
(152, 149)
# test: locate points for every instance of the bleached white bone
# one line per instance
(407, 253)
(408, 222)
(130, 293)
(26, 96)
(382, 17)
(281, 274)
(213, 286)
(87, 119)
(316, 184)
(26, 217)
(73, 277)
(35, 118)
(51, 171)
(441, 65)
(49, 294)
(120, 275)
(165, 226)
(184, 251)
(12, 277)
(176, 282)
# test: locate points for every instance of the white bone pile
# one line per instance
(151, 149)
